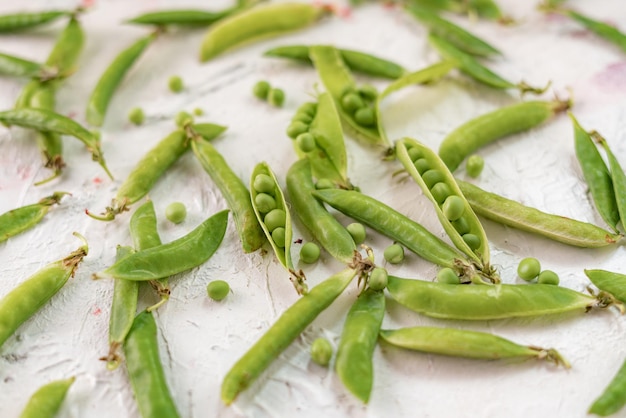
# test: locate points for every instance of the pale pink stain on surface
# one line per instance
(97, 180)
(97, 311)
(612, 77)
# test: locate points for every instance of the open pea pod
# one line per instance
(438, 184)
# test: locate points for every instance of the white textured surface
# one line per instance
(201, 339)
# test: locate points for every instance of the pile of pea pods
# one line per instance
(293, 221)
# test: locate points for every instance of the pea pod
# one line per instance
(20, 21)
(358, 340)
(172, 258)
(47, 400)
(618, 178)
(604, 30)
(467, 344)
(451, 301)
(67, 48)
(21, 219)
(494, 125)
(555, 227)
(19, 67)
(613, 283)
(262, 21)
(182, 17)
(613, 398)
(29, 296)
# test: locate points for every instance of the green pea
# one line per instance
(461, 226)
(310, 253)
(278, 236)
(474, 165)
(378, 279)
(365, 116)
(296, 128)
(308, 108)
(176, 212)
(264, 202)
(548, 277)
(198, 112)
(175, 84)
(528, 268)
(321, 351)
(414, 154)
(276, 97)
(440, 192)
(261, 89)
(368, 91)
(453, 208)
(306, 142)
(422, 165)
(264, 184)
(394, 254)
(274, 219)
(432, 177)
(357, 231)
(351, 102)
(217, 289)
(302, 117)
(472, 241)
(447, 275)
(324, 184)
(183, 119)
(136, 116)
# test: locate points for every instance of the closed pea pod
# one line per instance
(613, 398)
(67, 48)
(182, 17)
(18, 220)
(604, 30)
(47, 400)
(618, 178)
(20, 21)
(19, 67)
(613, 283)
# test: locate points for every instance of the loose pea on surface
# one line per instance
(365, 116)
(198, 112)
(296, 128)
(263, 184)
(321, 351)
(261, 89)
(309, 253)
(278, 236)
(447, 275)
(183, 118)
(394, 254)
(378, 279)
(276, 97)
(264, 202)
(357, 231)
(217, 289)
(306, 142)
(548, 277)
(136, 116)
(474, 166)
(528, 268)
(453, 208)
(176, 212)
(175, 84)
(274, 219)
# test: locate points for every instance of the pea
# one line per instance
(264, 202)
(296, 128)
(324, 184)
(217, 289)
(365, 116)
(136, 116)
(351, 102)
(368, 91)
(261, 89)
(176, 212)
(453, 208)
(447, 275)
(264, 184)
(432, 177)
(422, 165)
(378, 279)
(278, 236)
(394, 254)
(176, 84)
(308, 108)
(274, 219)
(302, 117)
(198, 112)
(414, 154)
(528, 268)
(310, 253)
(306, 142)
(182, 119)
(472, 241)
(321, 351)
(474, 165)
(461, 226)
(357, 231)
(440, 192)
(276, 97)
(548, 277)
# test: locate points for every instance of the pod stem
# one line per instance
(163, 291)
(110, 212)
(604, 300)
(363, 266)
(54, 163)
(53, 199)
(112, 358)
(298, 278)
(74, 259)
(551, 355)
(524, 88)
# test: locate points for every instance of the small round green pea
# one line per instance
(278, 236)
(302, 117)
(474, 165)
(136, 116)
(276, 97)
(528, 268)
(324, 184)
(183, 119)
(217, 289)
(351, 102)
(321, 351)
(274, 219)
(176, 212)
(310, 253)
(306, 142)
(368, 91)
(296, 128)
(175, 84)
(261, 89)
(365, 116)
(461, 226)
(394, 254)
(357, 231)
(440, 192)
(453, 207)
(414, 154)
(472, 241)
(198, 112)
(264, 202)
(378, 279)
(548, 277)
(264, 184)
(447, 275)
(308, 108)
(432, 177)
(422, 165)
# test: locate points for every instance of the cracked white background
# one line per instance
(199, 339)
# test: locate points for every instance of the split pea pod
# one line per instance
(467, 344)
(558, 228)
(174, 257)
(258, 22)
(235, 193)
(47, 400)
(29, 296)
(613, 283)
(19, 67)
(451, 301)
(19, 21)
(18, 220)
(618, 178)
(145, 372)
(68, 47)
(280, 335)
(613, 398)
(358, 340)
(494, 125)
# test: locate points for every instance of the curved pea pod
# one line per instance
(323, 226)
(182, 17)
(20, 21)
(67, 48)
(280, 335)
(19, 67)
(112, 77)
(467, 344)
(487, 128)
(29, 296)
(174, 257)
(258, 22)
(604, 30)
(613, 398)
(47, 400)
(558, 228)
(596, 174)
(435, 165)
(613, 283)
(618, 178)
(145, 372)
(358, 340)
(18, 220)
(451, 301)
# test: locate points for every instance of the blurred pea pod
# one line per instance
(47, 400)
(19, 21)
(18, 220)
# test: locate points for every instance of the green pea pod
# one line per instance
(614, 396)
(112, 77)
(29, 296)
(487, 128)
(20, 21)
(613, 283)
(235, 192)
(19, 67)
(487, 9)
(258, 22)
(47, 400)
(182, 17)
(618, 178)
(604, 30)
(452, 301)
(67, 48)
(18, 220)
(434, 165)
(597, 175)
(23, 100)
(323, 226)
(555, 227)
(467, 344)
(145, 372)
(286, 329)
(358, 340)
(208, 131)
(48, 121)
